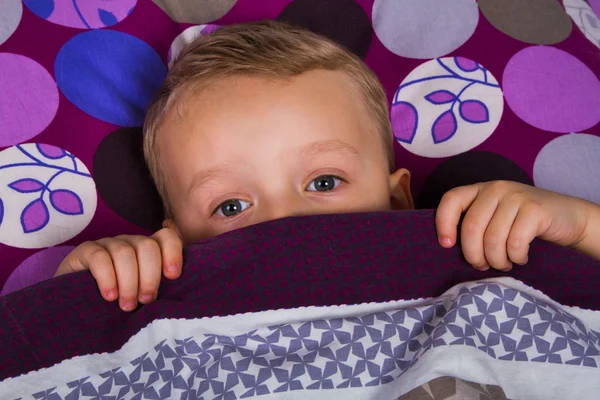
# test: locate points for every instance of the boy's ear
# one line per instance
(401, 197)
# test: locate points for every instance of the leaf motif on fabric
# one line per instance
(466, 64)
(474, 111)
(66, 202)
(107, 18)
(444, 127)
(440, 97)
(35, 216)
(27, 185)
(51, 152)
(405, 120)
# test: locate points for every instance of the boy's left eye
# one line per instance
(324, 183)
(231, 208)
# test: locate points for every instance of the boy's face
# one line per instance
(251, 149)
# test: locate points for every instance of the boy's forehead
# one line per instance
(221, 100)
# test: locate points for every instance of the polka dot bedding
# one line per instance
(478, 90)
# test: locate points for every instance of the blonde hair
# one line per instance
(267, 48)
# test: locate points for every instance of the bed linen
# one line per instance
(342, 306)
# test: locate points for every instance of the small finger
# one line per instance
(126, 269)
(496, 235)
(524, 230)
(171, 247)
(149, 260)
(448, 214)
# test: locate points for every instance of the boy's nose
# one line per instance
(282, 208)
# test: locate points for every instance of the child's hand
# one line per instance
(502, 218)
(128, 267)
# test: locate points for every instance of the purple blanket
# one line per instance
(318, 260)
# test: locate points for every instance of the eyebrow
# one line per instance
(201, 178)
(315, 149)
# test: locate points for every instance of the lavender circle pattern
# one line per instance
(456, 104)
(186, 37)
(584, 17)
(44, 186)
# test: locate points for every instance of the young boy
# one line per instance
(262, 121)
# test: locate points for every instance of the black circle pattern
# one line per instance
(343, 21)
(123, 180)
(467, 169)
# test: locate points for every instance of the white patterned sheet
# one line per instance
(493, 332)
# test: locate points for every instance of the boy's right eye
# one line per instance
(231, 208)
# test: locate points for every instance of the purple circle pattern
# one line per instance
(28, 99)
(552, 90)
(36, 268)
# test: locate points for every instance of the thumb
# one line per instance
(76, 260)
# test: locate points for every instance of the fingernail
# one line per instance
(484, 268)
(147, 298)
(130, 305)
(111, 294)
(445, 241)
(172, 268)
